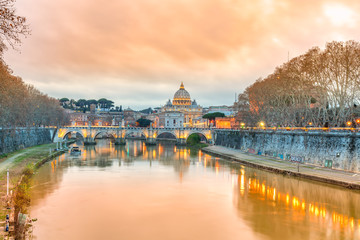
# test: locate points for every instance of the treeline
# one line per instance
(22, 105)
(84, 105)
(318, 88)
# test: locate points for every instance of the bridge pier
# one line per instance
(89, 141)
(150, 141)
(120, 141)
(181, 141)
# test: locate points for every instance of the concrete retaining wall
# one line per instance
(341, 148)
(15, 139)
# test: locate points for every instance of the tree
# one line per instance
(12, 26)
(143, 122)
(63, 102)
(321, 87)
(81, 103)
(109, 104)
(102, 102)
(212, 116)
(23, 105)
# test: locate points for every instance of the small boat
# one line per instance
(75, 151)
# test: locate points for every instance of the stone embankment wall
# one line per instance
(340, 150)
(15, 139)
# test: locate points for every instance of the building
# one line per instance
(226, 110)
(225, 122)
(173, 119)
(181, 111)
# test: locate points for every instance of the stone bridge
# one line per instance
(120, 134)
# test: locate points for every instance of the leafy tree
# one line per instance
(81, 103)
(102, 102)
(193, 139)
(91, 101)
(212, 116)
(143, 122)
(109, 104)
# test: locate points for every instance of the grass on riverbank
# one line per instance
(20, 161)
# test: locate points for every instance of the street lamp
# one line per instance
(348, 123)
(262, 124)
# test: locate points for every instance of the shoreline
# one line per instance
(345, 179)
(21, 185)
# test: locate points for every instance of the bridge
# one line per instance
(120, 134)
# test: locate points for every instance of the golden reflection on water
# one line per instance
(342, 225)
(264, 205)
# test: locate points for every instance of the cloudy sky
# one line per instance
(137, 52)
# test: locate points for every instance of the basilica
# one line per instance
(181, 111)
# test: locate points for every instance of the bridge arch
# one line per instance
(201, 134)
(129, 132)
(73, 131)
(105, 132)
(166, 132)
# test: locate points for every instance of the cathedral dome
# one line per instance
(181, 97)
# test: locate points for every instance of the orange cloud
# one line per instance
(221, 44)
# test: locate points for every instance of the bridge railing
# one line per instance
(304, 129)
(132, 128)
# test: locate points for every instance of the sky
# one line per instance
(137, 52)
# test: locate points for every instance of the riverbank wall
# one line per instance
(19, 138)
(337, 150)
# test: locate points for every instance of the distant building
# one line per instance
(227, 110)
(92, 108)
(95, 119)
(171, 119)
(225, 122)
(129, 117)
(190, 111)
(78, 118)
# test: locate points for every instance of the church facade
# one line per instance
(181, 111)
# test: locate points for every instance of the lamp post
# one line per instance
(7, 185)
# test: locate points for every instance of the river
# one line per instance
(170, 192)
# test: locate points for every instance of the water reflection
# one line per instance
(264, 205)
(296, 209)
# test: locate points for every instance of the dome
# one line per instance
(168, 104)
(181, 97)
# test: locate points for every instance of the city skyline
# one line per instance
(137, 53)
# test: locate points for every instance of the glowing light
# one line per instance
(287, 199)
(242, 185)
(262, 124)
(303, 205)
(348, 123)
(263, 187)
(274, 194)
(217, 167)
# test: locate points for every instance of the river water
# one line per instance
(170, 192)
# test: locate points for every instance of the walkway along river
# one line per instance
(168, 192)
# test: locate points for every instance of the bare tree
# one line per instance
(320, 88)
(12, 26)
